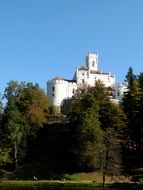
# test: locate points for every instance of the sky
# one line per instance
(42, 39)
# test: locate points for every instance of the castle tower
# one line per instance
(58, 90)
(92, 61)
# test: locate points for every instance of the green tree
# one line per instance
(1, 114)
(4, 151)
(130, 78)
(13, 129)
(113, 124)
(93, 115)
(109, 155)
(25, 112)
(131, 106)
(140, 79)
(34, 105)
(86, 126)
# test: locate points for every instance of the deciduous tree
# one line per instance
(26, 110)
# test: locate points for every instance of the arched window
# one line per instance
(53, 88)
(118, 93)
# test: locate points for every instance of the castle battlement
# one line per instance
(57, 81)
(61, 82)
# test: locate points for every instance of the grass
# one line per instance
(50, 183)
(68, 184)
(75, 180)
(93, 179)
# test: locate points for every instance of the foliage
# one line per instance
(109, 154)
(25, 112)
(99, 134)
(4, 156)
(85, 122)
(131, 105)
(94, 117)
(133, 108)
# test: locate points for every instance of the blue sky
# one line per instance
(41, 39)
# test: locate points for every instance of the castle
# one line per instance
(59, 90)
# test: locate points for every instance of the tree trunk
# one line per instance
(15, 154)
(103, 182)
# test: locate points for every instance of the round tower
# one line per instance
(57, 91)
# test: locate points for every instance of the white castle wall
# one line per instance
(72, 87)
(90, 79)
(120, 89)
(58, 90)
(107, 79)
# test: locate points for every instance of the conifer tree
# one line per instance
(131, 105)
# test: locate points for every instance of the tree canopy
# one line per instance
(26, 110)
(97, 125)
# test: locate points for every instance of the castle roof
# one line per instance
(70, 80)
(98, 72)
(83, 68)
(58, 78)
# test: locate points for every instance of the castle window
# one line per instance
(118, 93)
(83, 81)
(82, 74)
(53, 88)
(93, 63)
(53, 94)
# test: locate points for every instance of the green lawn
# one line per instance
(57, 183)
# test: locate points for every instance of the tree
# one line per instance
(34, 105)
(25, 112)
(15, 130)
(112, 123)
(130, 78)
(109, 156)
(93, 115)
(131, 106)
(4, 151)
(1, 114)
(86, 130)
(88, 134)
(140, 79)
